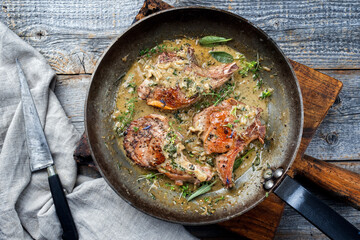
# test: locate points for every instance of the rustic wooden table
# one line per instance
(324, 35)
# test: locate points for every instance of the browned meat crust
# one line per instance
(174, 98)
(220, 134)
(144, 144)
(144, 138)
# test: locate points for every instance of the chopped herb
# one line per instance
(210, 161)
(175, 73)
(191, 155)
(144, 51)
(172, 188)
(229, 125)
(153, 196)
(222, 93)
(254, 67)
(210, 41)
(259, 83)
(150, 176)
(218, 199)
(131, 85)
(125, 117)
(264, 94)
(148, 52)
(177, 116)
(236, 120)
(171, 149)
(233, 111)
(206, 199)
(240, 160)
(256, 162)
(202, 190)
(223, 57)
(189, 82)
(136, 129)
(267, 194)
(245, 70)
(185, 190)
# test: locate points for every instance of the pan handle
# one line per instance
(318, 213)
(339, 181)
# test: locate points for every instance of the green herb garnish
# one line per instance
(132, 85)
(152, 196)
(185, 190)
(229, 125)
(256, 162)
(222, 93)
(245, 70)
(264, 94)
(149, 52)
(253, 66)
(240, 160)
(218, 199)
(172, 188)
(125, 117)
(210, 41)
(136, 129)
(150, 176)
(177, 116)
(223, 57)
(202, 190)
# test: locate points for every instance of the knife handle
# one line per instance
(62, 206)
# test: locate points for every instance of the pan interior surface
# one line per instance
(285, 111)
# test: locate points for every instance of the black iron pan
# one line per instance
(286, 101)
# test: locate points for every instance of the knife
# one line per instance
(40, 158)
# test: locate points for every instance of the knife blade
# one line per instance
(38, 148)
(40, 157)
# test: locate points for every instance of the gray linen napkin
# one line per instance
(26, 206)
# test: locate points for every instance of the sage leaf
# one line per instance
(239, 161)
(202, 190)
(213, 40)
(223, 57)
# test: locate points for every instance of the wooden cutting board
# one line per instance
(319, 92)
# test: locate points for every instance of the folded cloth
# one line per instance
(26, 206)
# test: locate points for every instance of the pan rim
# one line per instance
(301, 120)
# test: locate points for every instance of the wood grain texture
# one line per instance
(319, 92)
(72, 35)
(259, 223)
(337, 137)
(343, 183)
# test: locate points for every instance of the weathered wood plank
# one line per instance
(71, 91)
(335, 139)
(72, 35)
